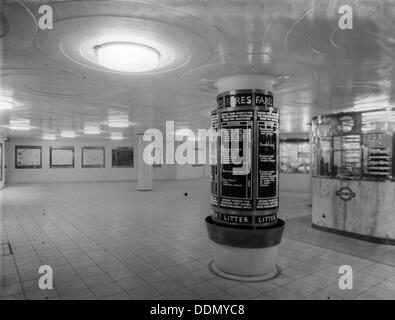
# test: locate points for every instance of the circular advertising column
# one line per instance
(244, 179)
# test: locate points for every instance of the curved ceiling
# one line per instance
(319, 68)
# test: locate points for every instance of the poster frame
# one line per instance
(83, 165)
(121, 149)
(54, 166)
(18, 147)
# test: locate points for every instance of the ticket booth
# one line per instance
(353, 182)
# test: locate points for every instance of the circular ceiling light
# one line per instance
(127, 56)
(67, 134)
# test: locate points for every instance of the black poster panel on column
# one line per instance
(239, 98)
(236, 184)
(267, 197)
(263, 99)
(220, 102)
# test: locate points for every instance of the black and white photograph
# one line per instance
(197, 158)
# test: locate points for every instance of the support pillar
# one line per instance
(244, 227)
(145, 171)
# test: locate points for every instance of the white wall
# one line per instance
(288, 182)
(187, 171)
(2, 178)
(165, 172)
(47, 174)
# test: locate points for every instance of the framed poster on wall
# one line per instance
(28, 157)
(122, 157)
(61, 157)
(93, 157)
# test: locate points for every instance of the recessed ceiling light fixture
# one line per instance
(20, 124)
(118, 121)
(127, 56)
(67, 134)
(116, 136)
(6, 103)
(91, 129)
(49, 136)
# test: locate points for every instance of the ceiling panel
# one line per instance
(317, 67)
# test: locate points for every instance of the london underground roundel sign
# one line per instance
(345, 193)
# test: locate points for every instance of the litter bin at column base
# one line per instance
(245, 253)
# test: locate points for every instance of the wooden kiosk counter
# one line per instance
(353, 187)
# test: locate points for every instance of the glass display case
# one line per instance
(294, 156)
(357, 145)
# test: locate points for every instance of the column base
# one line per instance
(245, 264)
(245, 253)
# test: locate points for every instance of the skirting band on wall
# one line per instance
(390, 242)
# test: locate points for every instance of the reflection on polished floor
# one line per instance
(109, 241)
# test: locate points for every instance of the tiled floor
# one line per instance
(109, 241)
